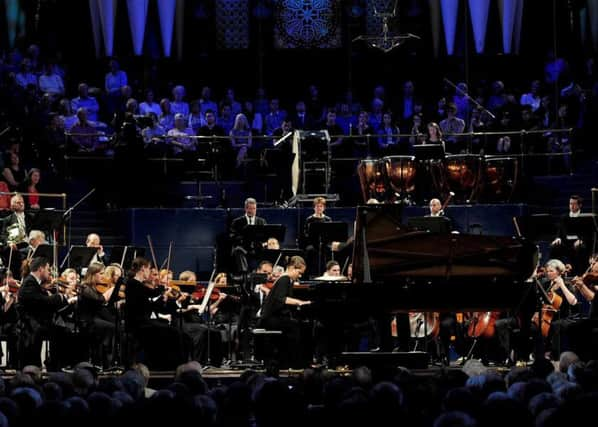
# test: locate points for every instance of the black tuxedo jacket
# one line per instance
(237, 227)
(36, 305)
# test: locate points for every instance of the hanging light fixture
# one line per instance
(386, 41)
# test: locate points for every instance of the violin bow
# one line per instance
(151, 246)
(168, 262)
(54, 254)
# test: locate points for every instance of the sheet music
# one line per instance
(206, 298)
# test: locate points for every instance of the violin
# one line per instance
(103, 285)
(174, 291)
(200, 293)
(13, 285)
(590, 279)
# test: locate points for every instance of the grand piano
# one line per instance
(398, 268)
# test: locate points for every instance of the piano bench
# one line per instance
(266, 344)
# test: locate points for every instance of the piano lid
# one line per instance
(389, 252)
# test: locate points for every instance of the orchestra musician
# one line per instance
(36, 238)
(309, 241)
(241, 246)
(14, 232)
(332, 273)
(197, 329)
(37, 308)
(97, 322)
(582, 333)
(276, 313)
(557, 339)
(151, 334)
(9, 317)
(570, 245)
(93, 241)
(436, 208)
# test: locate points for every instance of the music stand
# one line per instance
(432, 224)
(47, 220)
(537, 227)
(324, 233)
(124, 255)
(45, 251)
(429, 152)
(280, 256)
(80, 256)
(261, 233)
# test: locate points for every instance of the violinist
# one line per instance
(276, 313)
(9, 317)
(196, 329)
(152, 335)
(263, 289)
(165, 276)
(96, 320)
(71, 277)
(332, 273)
(113, 277)
(37, 309)
(581, 331)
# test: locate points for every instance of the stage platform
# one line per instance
(224, 376)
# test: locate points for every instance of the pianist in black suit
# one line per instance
(242, 247)
(276, 313)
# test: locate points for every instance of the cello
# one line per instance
(548, 311)
(482, 324)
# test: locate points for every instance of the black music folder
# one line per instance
(327, 232)
(261, 233)
(429, 151)
(433, 224)
(45, 251)
(47, 220)
(80, 256)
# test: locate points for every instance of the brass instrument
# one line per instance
(15, 234)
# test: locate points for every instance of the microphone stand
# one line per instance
(67, 214)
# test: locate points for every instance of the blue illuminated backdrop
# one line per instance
(307, 24)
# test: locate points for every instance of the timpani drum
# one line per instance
(500, 178)
(372, 179)
(462, 175)
(400, 173)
